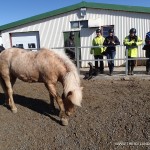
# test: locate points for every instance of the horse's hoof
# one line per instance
(14, 110)
(68, 113)
(64, 121)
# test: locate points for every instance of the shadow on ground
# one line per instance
(36, 105)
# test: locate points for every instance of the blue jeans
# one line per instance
(111, 55)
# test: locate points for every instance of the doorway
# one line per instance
(76, 39)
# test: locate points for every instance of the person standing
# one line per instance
(97, 51)
(110, 42)
(70, 46)
(132, 41)
(147, 52)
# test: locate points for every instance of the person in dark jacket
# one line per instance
(147, 52)
(110, 42)
(1, 48)
(70, 44)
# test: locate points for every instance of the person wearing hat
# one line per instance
(97, 51)
(70, 46)
(110, 42)
(147, 52)
(132, 41)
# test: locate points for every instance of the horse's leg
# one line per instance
(69, 107)
(9, 92)
(52, 90)
(12, 80)
(52, 106)
(5, 91)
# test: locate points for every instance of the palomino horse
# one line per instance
(45, 66)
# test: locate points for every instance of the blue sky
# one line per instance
(14, 10)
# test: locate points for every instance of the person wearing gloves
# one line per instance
(97, 51)
(147, 52)
(132, 41)
(110, 42)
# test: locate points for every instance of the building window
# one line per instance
(105, 30)
(79, 24)
(74, 24)
(31, 45)
(19, 46)
(84, 24)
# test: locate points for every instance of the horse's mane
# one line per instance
(71, 79)
(72, 72)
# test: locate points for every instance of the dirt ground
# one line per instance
(115, 115)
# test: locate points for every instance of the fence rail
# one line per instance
(78, 60)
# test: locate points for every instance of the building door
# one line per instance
(26, 40)
(76, 39)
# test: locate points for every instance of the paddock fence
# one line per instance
(79, 59)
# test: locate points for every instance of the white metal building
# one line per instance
(51, 29)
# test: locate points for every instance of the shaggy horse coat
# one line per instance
(44, 66)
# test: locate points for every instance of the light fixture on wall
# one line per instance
(83, 12)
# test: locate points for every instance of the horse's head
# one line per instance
(72, 98)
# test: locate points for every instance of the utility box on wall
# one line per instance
(83, 12)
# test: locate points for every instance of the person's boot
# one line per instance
(148, 68)
(148, 71)
(96, 71)
(129, 70)
(110, 72)
(132, 68)
(102, 72)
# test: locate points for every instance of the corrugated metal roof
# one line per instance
(74, 7)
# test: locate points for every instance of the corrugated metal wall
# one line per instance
(51, 29)
(122, 22)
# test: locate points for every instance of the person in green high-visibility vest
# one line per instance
(98, 51)
(132, 41)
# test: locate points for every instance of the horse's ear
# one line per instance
(74, 98)
(69, 93)
(69, 96)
